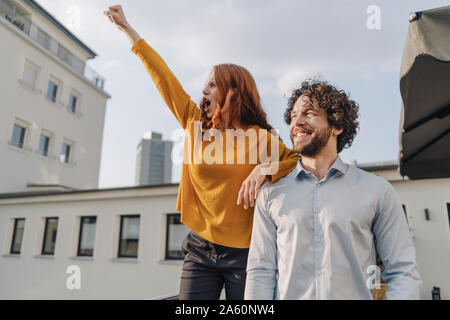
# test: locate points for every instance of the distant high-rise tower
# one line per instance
(154, 162)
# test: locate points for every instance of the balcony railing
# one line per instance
(21, 20)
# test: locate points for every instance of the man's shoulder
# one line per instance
(279, 185)
(368, 177)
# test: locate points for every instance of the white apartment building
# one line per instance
(126, 242)
(52, 106)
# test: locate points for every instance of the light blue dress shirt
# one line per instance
(318, 239)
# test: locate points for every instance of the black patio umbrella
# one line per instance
(425, 89)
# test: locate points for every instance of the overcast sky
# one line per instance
(280, 42)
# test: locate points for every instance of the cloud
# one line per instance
(94, 28)
(292, 78)
(279, 42)
(196, 83)
(265, 36)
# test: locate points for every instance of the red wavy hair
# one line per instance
(245, 103)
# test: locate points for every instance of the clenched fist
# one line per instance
(116, 16)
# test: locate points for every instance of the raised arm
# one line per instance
(178, 101)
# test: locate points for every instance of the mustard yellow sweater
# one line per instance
(208, 192)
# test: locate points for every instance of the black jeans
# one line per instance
(208, 267)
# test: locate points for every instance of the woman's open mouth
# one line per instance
(205, 105)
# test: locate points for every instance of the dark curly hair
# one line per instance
(342, 112)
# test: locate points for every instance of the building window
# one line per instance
(16, 244)
(30, 74)
(73, 99)
(65, 153)
(176, 232)
(16, 15)
(43, 39)
(129, 236)
(44, 143)
(18, 136)
(52, 91)
(51, 228)
(64, 54)
(86, 238)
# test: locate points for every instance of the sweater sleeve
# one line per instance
(287, 159)
(178, 101)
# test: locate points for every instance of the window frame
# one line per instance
(73, 108)
(70, 158)
(77, 96)
(23, 134)
(27, 126)
(54, 94)
(30, 65)
(43, 253)
(166, 250)
(11, 251)
(45, 152)
(80, 233)
(66, 154)
(119, 254)
(44, 39)
(59, 85)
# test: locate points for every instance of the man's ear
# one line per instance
(337, 131)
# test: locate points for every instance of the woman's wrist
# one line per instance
(132, 35)
(268, 169)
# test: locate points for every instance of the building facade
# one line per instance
(427, 207)
(52, 104)
(126, 242)
(154, 160)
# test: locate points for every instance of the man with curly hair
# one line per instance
(316, 231)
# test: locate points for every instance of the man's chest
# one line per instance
(324, 207)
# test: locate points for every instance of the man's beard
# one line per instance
(318, 142)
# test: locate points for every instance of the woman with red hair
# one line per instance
(211, 191)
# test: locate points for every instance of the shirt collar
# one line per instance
(338, 166)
